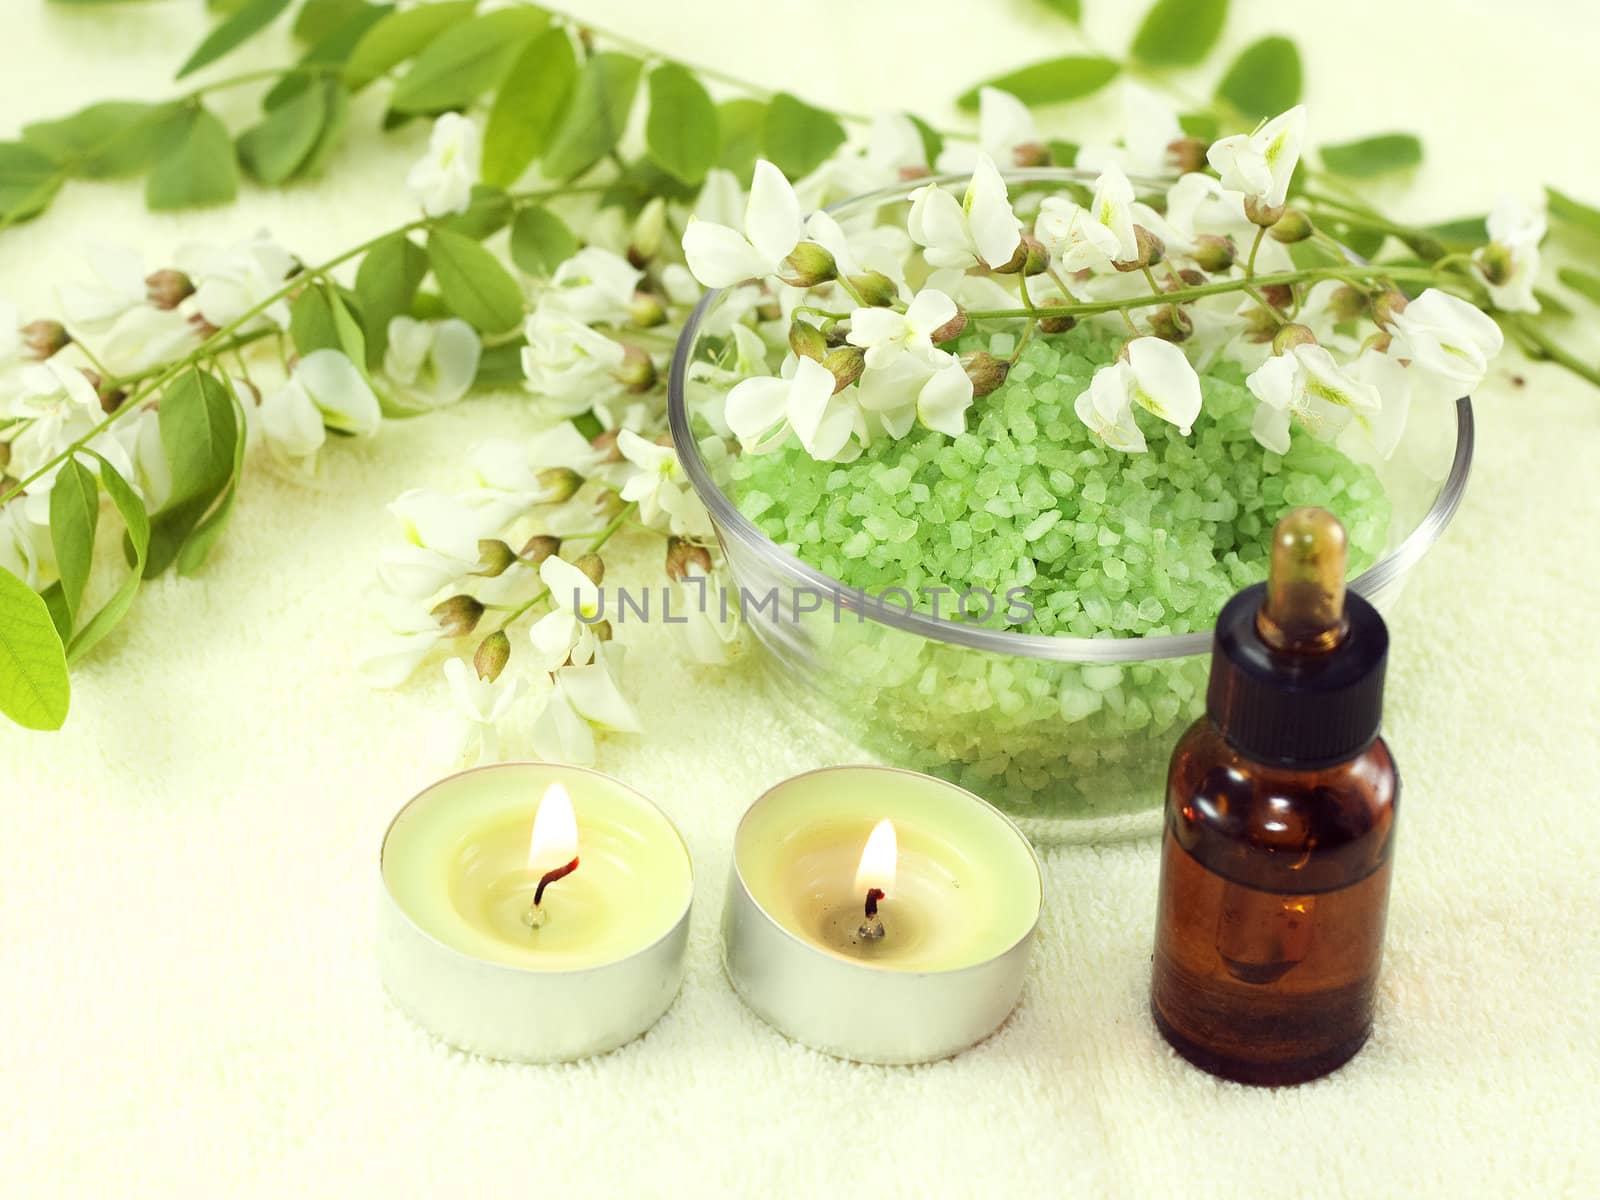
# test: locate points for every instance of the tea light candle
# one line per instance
(533, 912)
(880, 915)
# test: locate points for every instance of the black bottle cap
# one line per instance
(1297, 709)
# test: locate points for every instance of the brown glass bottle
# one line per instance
(1279, 829)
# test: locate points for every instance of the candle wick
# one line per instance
(534, 917)
(872, 928)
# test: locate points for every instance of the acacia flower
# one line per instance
(1107, 409)
(1095, 237)
(233, 280)
(762, 411)
(569, 364)
(935, 390)
(325, 390)
(442, 179)
(980, 230)
(1149, 128)
(480, 705)
(659, 488)
(118, 285)
(886, 334)
(1156, 376)
(565, 633)
(1509, 264)
(1006, 134)
(583, 699)
(1260, 164)
(430, 364)
(720, 256)
(441, 543)
(1306, 384)
(409, 635)
(1447, 338)
(594, 286)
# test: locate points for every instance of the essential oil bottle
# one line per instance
(1279, 828)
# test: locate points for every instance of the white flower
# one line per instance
(763, 411)
(480, 705)
(409, 635)
(1107, 409)
(118, 286)
(11, 346)
(430, 364)
(442, 535)
(442, 179)
(1006, 133)
(140, 436)
(706, 634)
(1509, 264)
(145, 337)
(583, 699)
(886, 334)
(721, 257)
(1260, 164)
(59, 405)
(659, 487)
(981, 229)
(935, 390)
(895, 146)
(325, 389)
(1091, 238)
(24, 546)
(569, 364)
(1447, 338)
(1150, 126)
(721, 200)
(566, 633)
(1373, 436)
(233, 280)
(1308, 385)
(594, 286)
(1156, 376)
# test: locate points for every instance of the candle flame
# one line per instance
(878, 860)
(555, 832)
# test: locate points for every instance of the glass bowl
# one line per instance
(1070, 736)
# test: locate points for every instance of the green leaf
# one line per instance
(799, 136)
(466, 61)
(1573, 212)
(1051, 82)
(29, 180)
(196, 165)
(743, 125)
(1470, 231)
(1204, 126)
(530, 107)
(489, 211)
(251, 19)
(331, 53)
(197, 547)
(1072, 10)
(1585, 283)
(501, 366)
(104, 141)
(1373, 155)
(276, 149)
(336, 106)
(386, 281)
(681, 133)
(475, 286)
(137, 544)
(311, 324)
(932, 139)
(1062, 152)
(34, 689)
(74, 514)
(1179, 33)
(401, 36)
(1265, 79)
(197, 434)
(599, 113)
(319, 19)
(541, 241)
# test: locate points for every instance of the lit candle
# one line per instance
(534, 912)
(879, 914)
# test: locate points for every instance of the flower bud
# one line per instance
(1213, 253)
(951, 329)
(875, 288)
(646, 311)
(1031, 154)
(1293, 226)
(985, 370)
(1187, 154)
(808, 266)
(5, 458)
(836, 333)
(1017, 261)
(1260, 213)
(559, 483)
(1279, 295)
(1290, 336)
(1379, 341)
(44, 339)
(494, 652)
(1387, 307)
(638, 370)
(683, 554)
(770, 309)
(1494, 260)
(594, 567)
(458, 616)
(606, 442)
(1424, 245)
(648, 227)
(1347, 303)
(540, 547)
(111, 398)
(494, 558)
(609, 504)
(1150, 251)
(167, 289)
(201, 327)
(1186, 277)
(1259, 325)
(1056, 324)
(846, 363)
(807, 341)
(1171, 323)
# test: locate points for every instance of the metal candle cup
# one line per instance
(454, 951)
(958, 926)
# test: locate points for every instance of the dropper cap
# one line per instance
(1298, 664)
